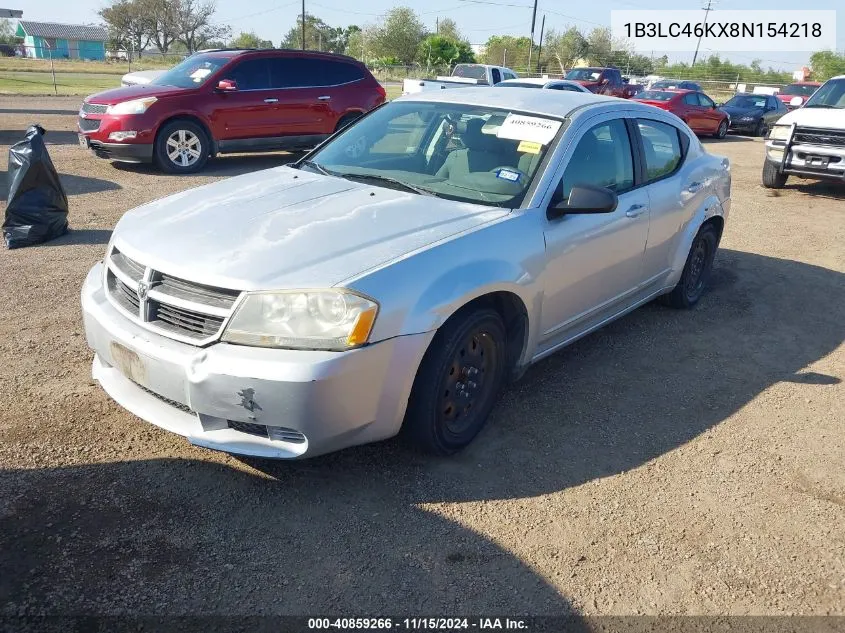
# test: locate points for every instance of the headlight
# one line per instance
(302, 319)
(779, 132)
(136, 106)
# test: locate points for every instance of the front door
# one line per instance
(594, 261)
(250, 111)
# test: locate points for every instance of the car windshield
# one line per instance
(470, 71)
(460, 152)
(830, 95)
(519, 84)
(656, 95)
(746, 102)
(799, 90)
(192, 72)
(583, 74)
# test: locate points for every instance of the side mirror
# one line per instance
(796, 101)
(604, 81)
(227, 85)
(585, 199)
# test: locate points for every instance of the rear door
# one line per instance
(304, 103)
(248, 112)
(692, 112)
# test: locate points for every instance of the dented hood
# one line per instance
(286, 228)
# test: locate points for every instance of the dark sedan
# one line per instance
(753, 114)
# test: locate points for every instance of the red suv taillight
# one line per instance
(381, 90)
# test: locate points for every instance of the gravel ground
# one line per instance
(673, 463)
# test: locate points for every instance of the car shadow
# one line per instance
(223, 166)
(816, 188)
(27, 111)
(360, 531)
(51, 137)
(730, 138)
(73, 185)
(79, 236)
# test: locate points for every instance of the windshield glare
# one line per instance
(460, 152)
(798, 90)
(583, 74)
(192, 72)
(747, 102)
(830, 95)
(656, 95)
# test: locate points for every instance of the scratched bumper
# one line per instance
(324, 400)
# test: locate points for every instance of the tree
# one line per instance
(250, 40)
(318, 34)
(193, 24)
(448, 29)
(565, 48)
(506, 50)
(129, 24)
(438, 51)
(163, 22)
(7, 33)
(827, 64)
(599, 47)
(400, 35)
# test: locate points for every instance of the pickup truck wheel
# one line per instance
(772, 178)
(181, 147)
(457, 384)
(696, 270)
(723, 129)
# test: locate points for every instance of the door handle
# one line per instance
(635, 210)
(694, 187)
(324, 98)
(271, 101)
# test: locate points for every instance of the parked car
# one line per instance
(695, 109)
(140, 77)
(225, 101)
(548, 84)
(397, 276)
(795, 95)
(675, 84)
(809, 142)
(603, 81)
(753, 114)
(463, 76)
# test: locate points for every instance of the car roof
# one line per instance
(231, 52)
(552, 103)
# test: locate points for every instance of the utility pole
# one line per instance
(540, 52)
(437, 28)
(706, 13)
(303, 24)
(531, 42)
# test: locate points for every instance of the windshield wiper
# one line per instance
(316, 167)
(389, 180)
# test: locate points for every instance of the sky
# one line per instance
(476, 19)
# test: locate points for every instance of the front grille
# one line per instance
(89, 125)
(248, 427)
(826, 138)
(94, 108)
(176, 405)
(177, 308)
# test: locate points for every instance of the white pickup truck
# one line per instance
(462, 76)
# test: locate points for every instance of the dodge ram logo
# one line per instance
(141, 291)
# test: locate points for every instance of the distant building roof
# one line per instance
(62, 31)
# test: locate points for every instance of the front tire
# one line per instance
(458, 382)
(181, 147)
(761, 129)
(697, 269)
(772, 177)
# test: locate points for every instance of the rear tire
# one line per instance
(457, 384)
(347, 119)
(772, 177)
(697, 269)
(181, 147)
(723, 129)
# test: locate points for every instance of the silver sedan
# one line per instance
(397, 276)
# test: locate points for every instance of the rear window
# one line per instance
(583, 74)
(656, 95)
(799, 90)
(470, 71)
(662, 145)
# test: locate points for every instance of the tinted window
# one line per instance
(656, 95)
(691, 99)
(662, 148)
(251, 74)
(496, 76)
(293, 72)
(602, 158)
(706, 101)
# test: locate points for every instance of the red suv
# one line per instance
(695, 108)
(226, 101)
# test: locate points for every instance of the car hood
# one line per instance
(736, 112)
(286, 228)
(828, 118)
(118, 95)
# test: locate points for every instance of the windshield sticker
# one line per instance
(507, 174)
(529, 147)
(200, 73)
(528, 128)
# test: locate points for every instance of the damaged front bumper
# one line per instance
(251, 401)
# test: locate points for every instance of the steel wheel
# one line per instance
(184, 148)
(695, 278)
(723, 129)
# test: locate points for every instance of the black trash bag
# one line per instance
(36, 210)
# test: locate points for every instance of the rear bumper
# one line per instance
(124, 152)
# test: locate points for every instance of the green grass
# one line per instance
(26, 65)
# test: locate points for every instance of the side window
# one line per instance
(251, 74)
(662, 147)
(334, 73)
(602, 158)
(290, 72)
(497, 77)
(691, 99)
(706, 101)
